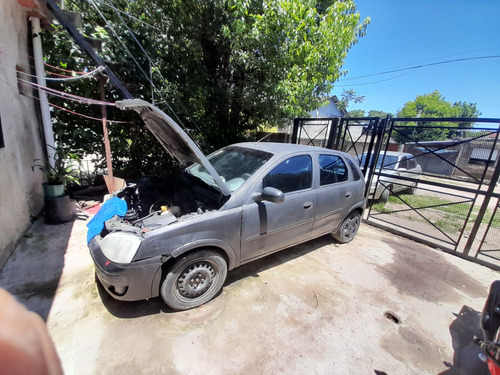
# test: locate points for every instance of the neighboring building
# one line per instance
(21, 134)
(461, 158)
(329, 110)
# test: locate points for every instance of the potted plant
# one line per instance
(59, 174)
(58, 206)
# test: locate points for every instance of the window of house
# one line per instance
(332, 169)
(291, 175)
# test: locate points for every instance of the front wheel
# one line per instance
(349, 228)
(194, 279)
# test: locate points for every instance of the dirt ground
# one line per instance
(379, 305)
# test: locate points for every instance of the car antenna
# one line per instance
(264, 137)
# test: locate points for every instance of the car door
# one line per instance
(267, 226)
(336, 193)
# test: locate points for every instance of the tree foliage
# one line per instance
(432, 105)
(349, 97)
(221, 68)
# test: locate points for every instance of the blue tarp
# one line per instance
(110, 208)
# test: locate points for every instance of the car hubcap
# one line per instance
(196, 279)
(351, 227)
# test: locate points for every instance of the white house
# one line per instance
(21, 133)
(329, 110)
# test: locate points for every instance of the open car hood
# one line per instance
(171, 136)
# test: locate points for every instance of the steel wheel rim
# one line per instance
(196, 279)
(351, 226)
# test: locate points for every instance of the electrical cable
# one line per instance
(422, 66)
(61, 69)
(90, 117)
(371, 83)
(66, 79)
(149, 59)
(65, 95)
(120, 41)
(128, 15)
(68, 110)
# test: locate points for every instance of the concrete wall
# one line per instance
(21, 195)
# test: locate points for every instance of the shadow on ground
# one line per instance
(465, 358)
(33, 271)
(127, 310)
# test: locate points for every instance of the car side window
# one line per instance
(332, 169)
(412, 163)
(291, 175)
(403, 164)
(355, 173)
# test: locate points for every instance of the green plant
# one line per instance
(63, 170)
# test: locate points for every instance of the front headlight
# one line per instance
(120, 247)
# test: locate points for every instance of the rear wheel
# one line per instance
(349, 228)
(194, 279)
(384, 197)
(413, 189)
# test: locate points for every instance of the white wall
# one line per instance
(329, 110)
(21, 196)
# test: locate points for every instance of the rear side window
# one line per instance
(291, 175)
(412, 163)
(332, 169)
(354, 169)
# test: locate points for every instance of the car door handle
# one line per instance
(308, 205)
(348, 194)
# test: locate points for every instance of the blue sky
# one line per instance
(405, 33)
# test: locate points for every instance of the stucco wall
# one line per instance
(21, 196)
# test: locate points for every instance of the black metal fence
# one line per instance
(443, 193)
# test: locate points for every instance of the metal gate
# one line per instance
(451, 203)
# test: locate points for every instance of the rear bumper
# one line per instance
(127, 282)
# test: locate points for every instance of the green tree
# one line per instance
(357, 113)
(431, 105)
(222, 68)
(381, 114)
(349, 97)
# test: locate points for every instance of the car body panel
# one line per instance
(395, 164)
(175, 141)
(236, 221)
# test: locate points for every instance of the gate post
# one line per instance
(333, 132)
(484, 206)
(295, 132)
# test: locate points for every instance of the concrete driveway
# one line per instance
(379, 305)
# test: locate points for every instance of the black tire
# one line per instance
(384, 197)
(349, 228)
(194, 279)
(413, 189)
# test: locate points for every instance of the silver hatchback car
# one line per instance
(177, 236)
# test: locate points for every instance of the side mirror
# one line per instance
(271, 194)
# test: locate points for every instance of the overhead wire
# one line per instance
(65, 79)
(65, 95)
(148, 78)
(411, 68)
(149, 59)
(128, 15)
(68, 110)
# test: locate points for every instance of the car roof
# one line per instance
(284, 148)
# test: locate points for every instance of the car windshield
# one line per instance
(234, 165)
(390, 161)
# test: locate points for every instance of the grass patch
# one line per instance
(455, 213)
